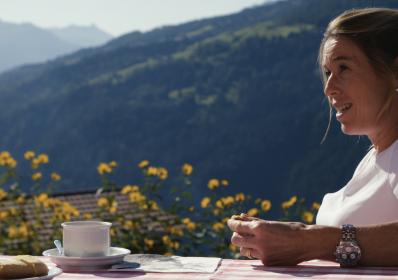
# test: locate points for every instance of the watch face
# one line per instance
(348, 253)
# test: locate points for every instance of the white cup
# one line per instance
(86, 238)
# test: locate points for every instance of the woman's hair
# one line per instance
(375, 32)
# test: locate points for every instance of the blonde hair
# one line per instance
(375, 32)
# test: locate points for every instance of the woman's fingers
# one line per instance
(250, 253)
(242, 227)
(242, 240)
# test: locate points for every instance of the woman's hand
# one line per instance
(274, 243)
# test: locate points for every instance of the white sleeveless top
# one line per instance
(370, 197)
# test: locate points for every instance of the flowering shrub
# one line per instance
(178, 225)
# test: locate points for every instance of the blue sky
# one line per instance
(116, 16)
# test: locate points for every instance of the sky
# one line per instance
(117, 16)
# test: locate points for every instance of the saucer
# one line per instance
(116, 255)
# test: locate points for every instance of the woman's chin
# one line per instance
(346, 129)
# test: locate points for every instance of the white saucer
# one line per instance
(116, 255)
(52, 272)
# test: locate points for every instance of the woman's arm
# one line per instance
(289, 243)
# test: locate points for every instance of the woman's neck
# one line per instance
(387, 134)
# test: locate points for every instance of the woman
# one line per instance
(357, 225)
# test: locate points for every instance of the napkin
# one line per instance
(160, 263)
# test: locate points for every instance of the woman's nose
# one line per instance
(331, 86)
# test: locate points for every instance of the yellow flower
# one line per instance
(113, 210)
(166, 240)
(12, 231)
(10, 162)
(205, 202)
(162, 173)
(289, 203)
(175, 245)
(137, 197)
(43, 158)
(29, 155)
(21, 199)
(189, 224)
(102, 202)
(35, 163)
(266, 205)
(153, 205)
(42, 198)
(152, 171)
(227, 201)
(13, 211)
(23, 230)
(3, 194)
(143, 164)
(218, 226)
(149, 242)
(213, 183)
(126, 189)
(103, 168)
(216, 212)
(252, 212)
(225, 183)
(219, 204)
(36, 176)
(113, 207)
(5, 155)
(187, 169)
(3, 215)
(240, 197)
(308, 217)
(113, 164)
(55, 176)
(128, 225)
(176, 231)
(233, 247)
(316, 205)
(191, 209)
(88, 216)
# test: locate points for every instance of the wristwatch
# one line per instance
(348, 252)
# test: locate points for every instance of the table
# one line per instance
(246, 270)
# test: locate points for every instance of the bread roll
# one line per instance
(37, 265)
(22, 267)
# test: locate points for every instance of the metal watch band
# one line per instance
(348, 233)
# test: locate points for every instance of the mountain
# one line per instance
(83, 36)
(237, 96)
(25, 43)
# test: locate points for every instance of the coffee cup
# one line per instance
(86, 238)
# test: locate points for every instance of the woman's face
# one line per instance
(353, 88)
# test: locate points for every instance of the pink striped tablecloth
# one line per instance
(245, 270)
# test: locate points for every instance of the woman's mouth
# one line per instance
(340, 110)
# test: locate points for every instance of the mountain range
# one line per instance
(26, 43)
(237, 96)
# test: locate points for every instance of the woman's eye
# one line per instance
(343, 67)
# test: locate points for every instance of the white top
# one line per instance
(370, 197)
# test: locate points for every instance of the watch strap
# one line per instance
(348, 233)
